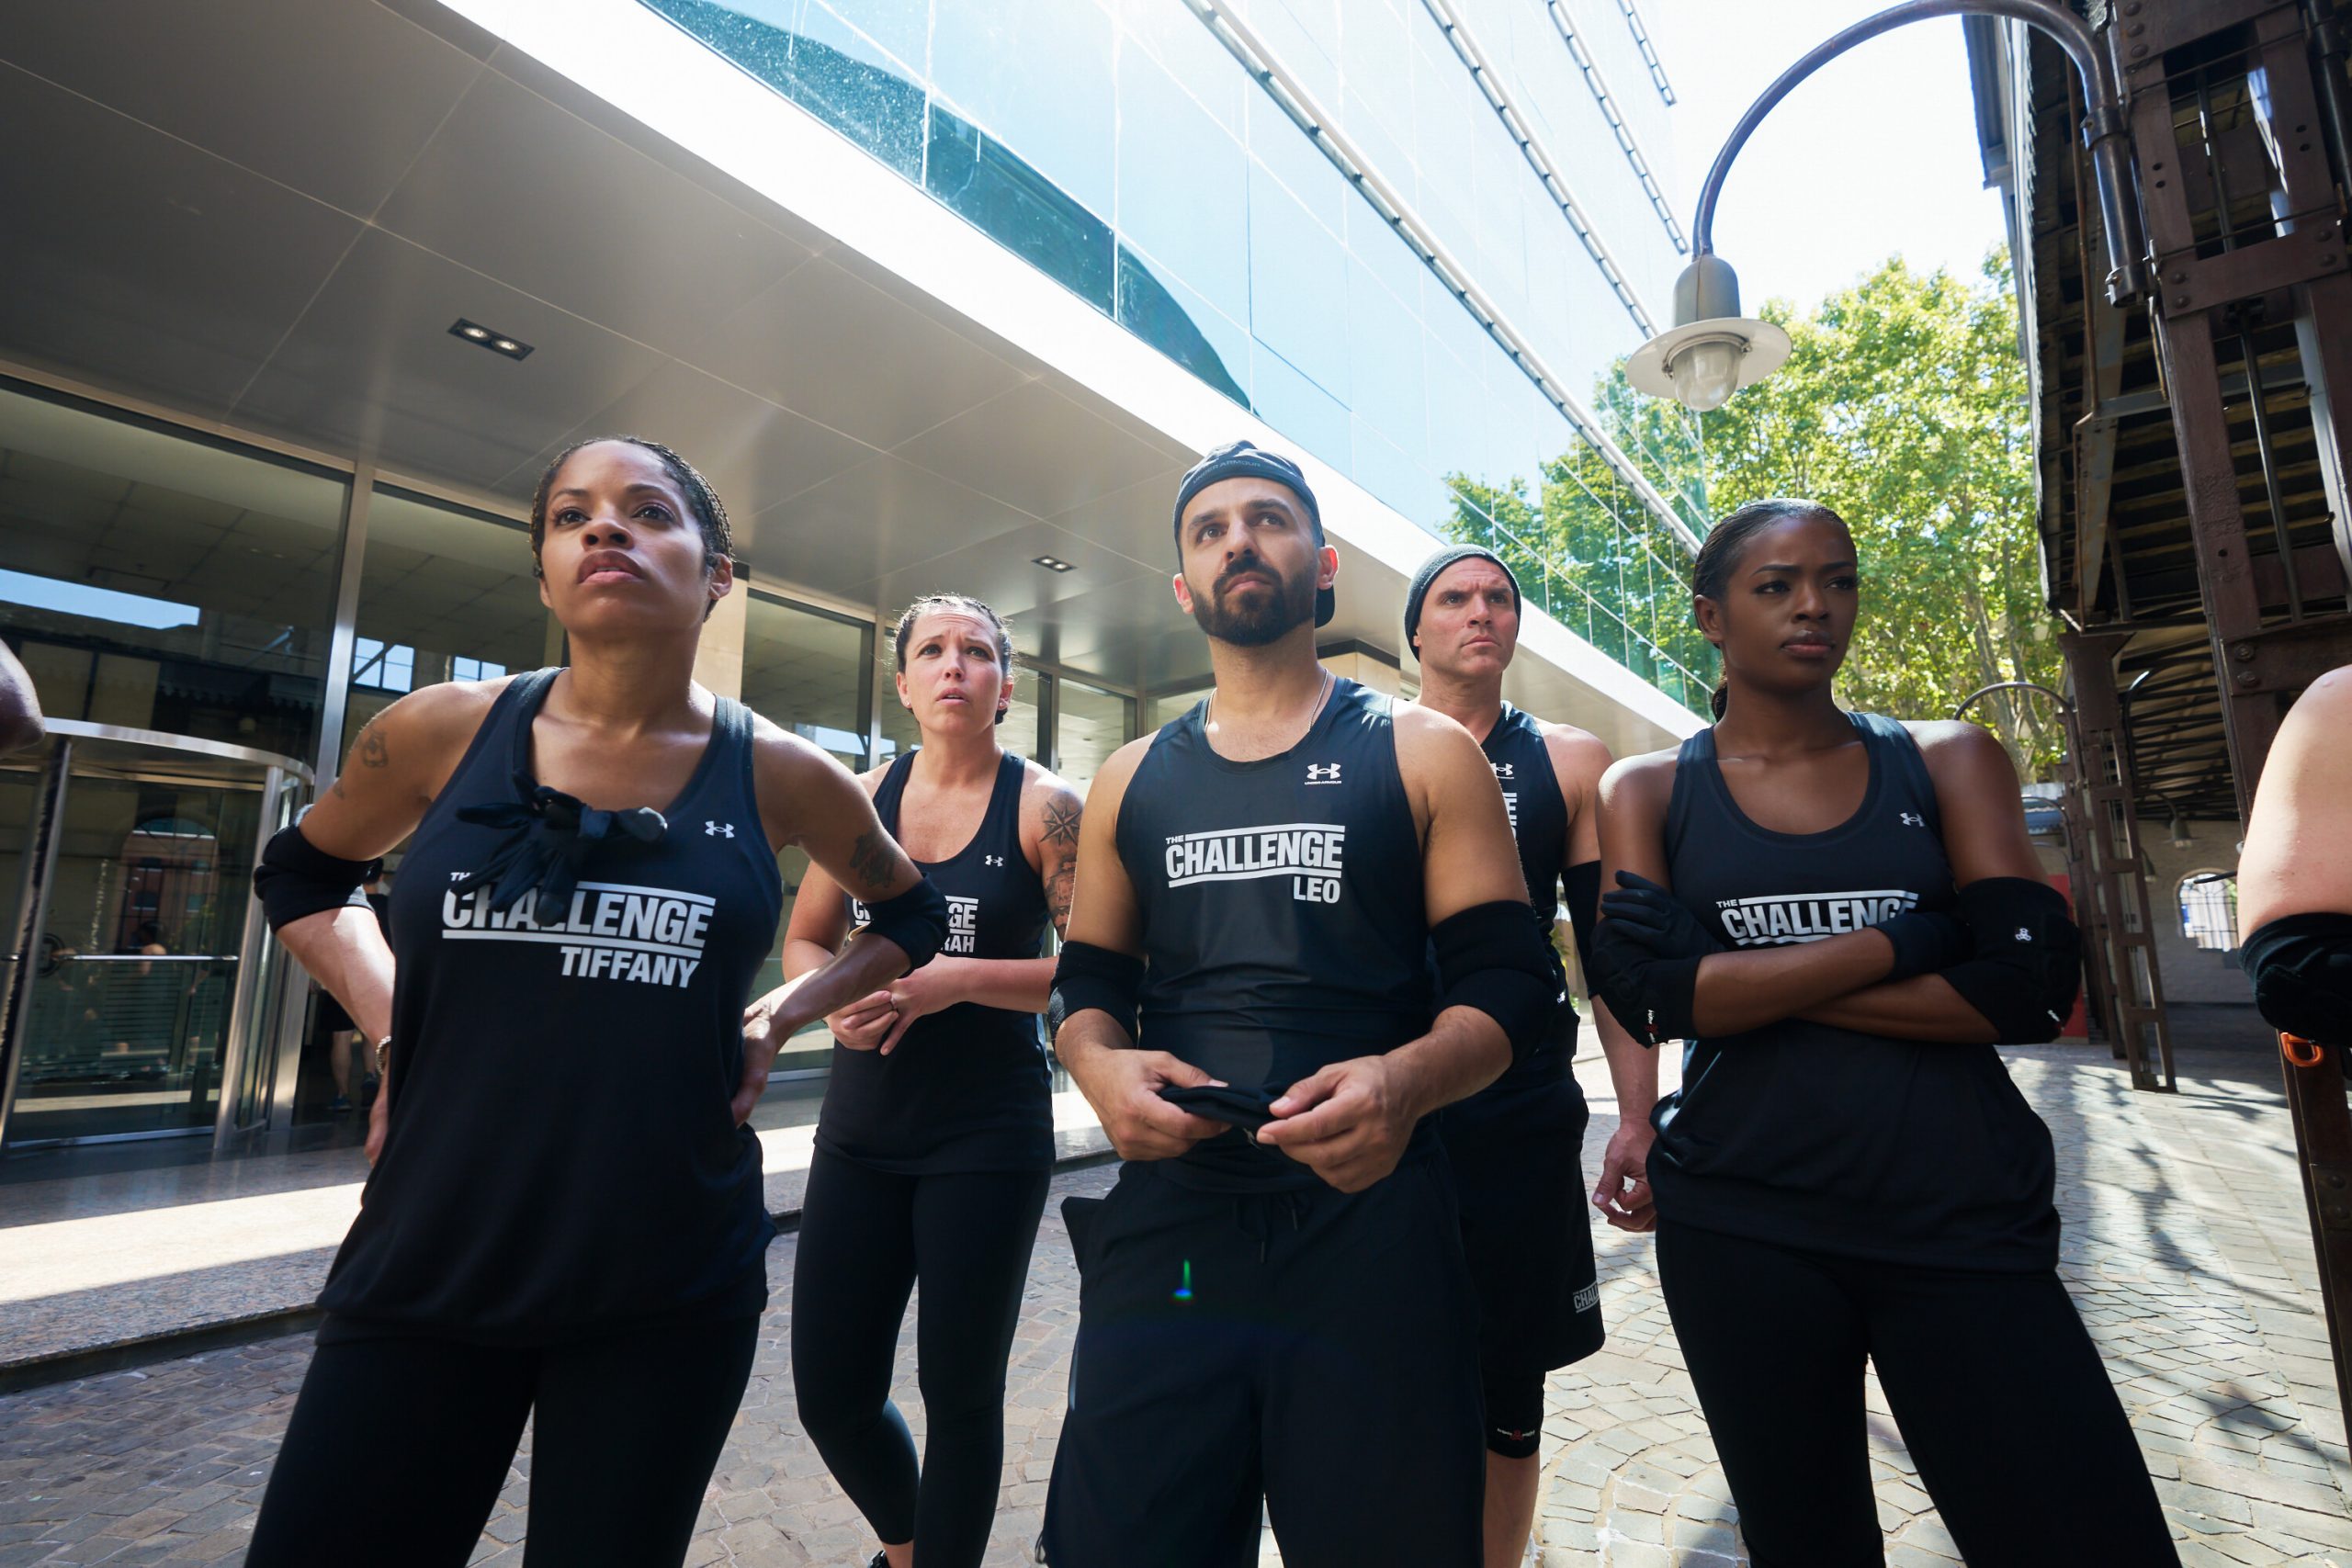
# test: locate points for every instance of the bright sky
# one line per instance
(1875, 153)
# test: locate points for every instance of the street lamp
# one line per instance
(1712, 350)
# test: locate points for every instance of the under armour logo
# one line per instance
(992, 860)
(713, 829)
(2024, 935)
(1322, 772)
(1913, 819)
(1503, 770)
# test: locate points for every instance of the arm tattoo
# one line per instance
(1059, 885)
(870, 858)
(1062, 812)
(371, 751)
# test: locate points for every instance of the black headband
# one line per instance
(1241, 460)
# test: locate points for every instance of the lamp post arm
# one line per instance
(2103, 125)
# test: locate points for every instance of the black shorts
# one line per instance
(1526, 1231)
(1307, 1347)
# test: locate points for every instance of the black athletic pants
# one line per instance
(1997, 1389)
(866, 1238)
(398, 1446)
(1312, 1348)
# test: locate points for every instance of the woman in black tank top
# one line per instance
(936, 1139)
(564, 1220)
(1847, 1173)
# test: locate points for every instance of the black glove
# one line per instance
(1656, 919)
(1646, 959)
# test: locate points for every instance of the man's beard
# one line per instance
(1257, 622)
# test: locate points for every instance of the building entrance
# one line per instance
(143, 997)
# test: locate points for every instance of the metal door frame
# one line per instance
(277, 776)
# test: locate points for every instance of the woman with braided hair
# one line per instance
(1842, 915)
(564, 1221)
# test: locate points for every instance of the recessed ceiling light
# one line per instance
(1053, 563)
(496, 342)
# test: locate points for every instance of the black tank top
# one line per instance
(1283, 924)
(562, 1157)
(1825, 1138)
(1539, 822)
(968, 1088)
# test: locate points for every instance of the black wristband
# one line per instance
(1924, 941)
(1497, 958)
(1087, 976)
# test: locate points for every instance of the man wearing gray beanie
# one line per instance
(1514, 1146)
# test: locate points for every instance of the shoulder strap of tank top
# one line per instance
(892, 789)
(1003, 817)
(731, 727)
(521, 701)
(1696, 755)
(1895, 748)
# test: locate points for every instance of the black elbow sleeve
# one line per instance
(1087, 976)
(296, 878)
(1494, 957)
(2027, 966)
(2302, 970)
(1580, 886)
(915, 920)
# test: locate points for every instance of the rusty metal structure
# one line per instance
(2193, 442)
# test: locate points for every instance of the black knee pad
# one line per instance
(1514, 1412)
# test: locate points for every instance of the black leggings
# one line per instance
(398, 1447)
(1999, 1394)
(866, 1237)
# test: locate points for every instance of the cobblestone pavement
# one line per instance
(2184, 1247)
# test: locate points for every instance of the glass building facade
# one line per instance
(1139, 153)
(175, 598)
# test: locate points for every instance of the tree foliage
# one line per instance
(1904, 408)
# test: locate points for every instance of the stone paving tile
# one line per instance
(2185, 1248)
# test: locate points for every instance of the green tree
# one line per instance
(1904, 407)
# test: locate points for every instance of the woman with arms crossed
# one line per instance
(564, 1221)
(1856, 918)
(937, 1136)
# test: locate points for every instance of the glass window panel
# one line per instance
(903, 28)
(161, 582)
(973, 175)
(1386, 377)
(445, 595)
(1182, 185)
(1031, 74)
(1191, 54)
(1090, 724)
(1298, 164)
(1300, 409)
(1304, 36)
(832, 71)
(1183, 326)
(1298, 285)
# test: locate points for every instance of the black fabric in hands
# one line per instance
(1248, 1109)
(2302, 970)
